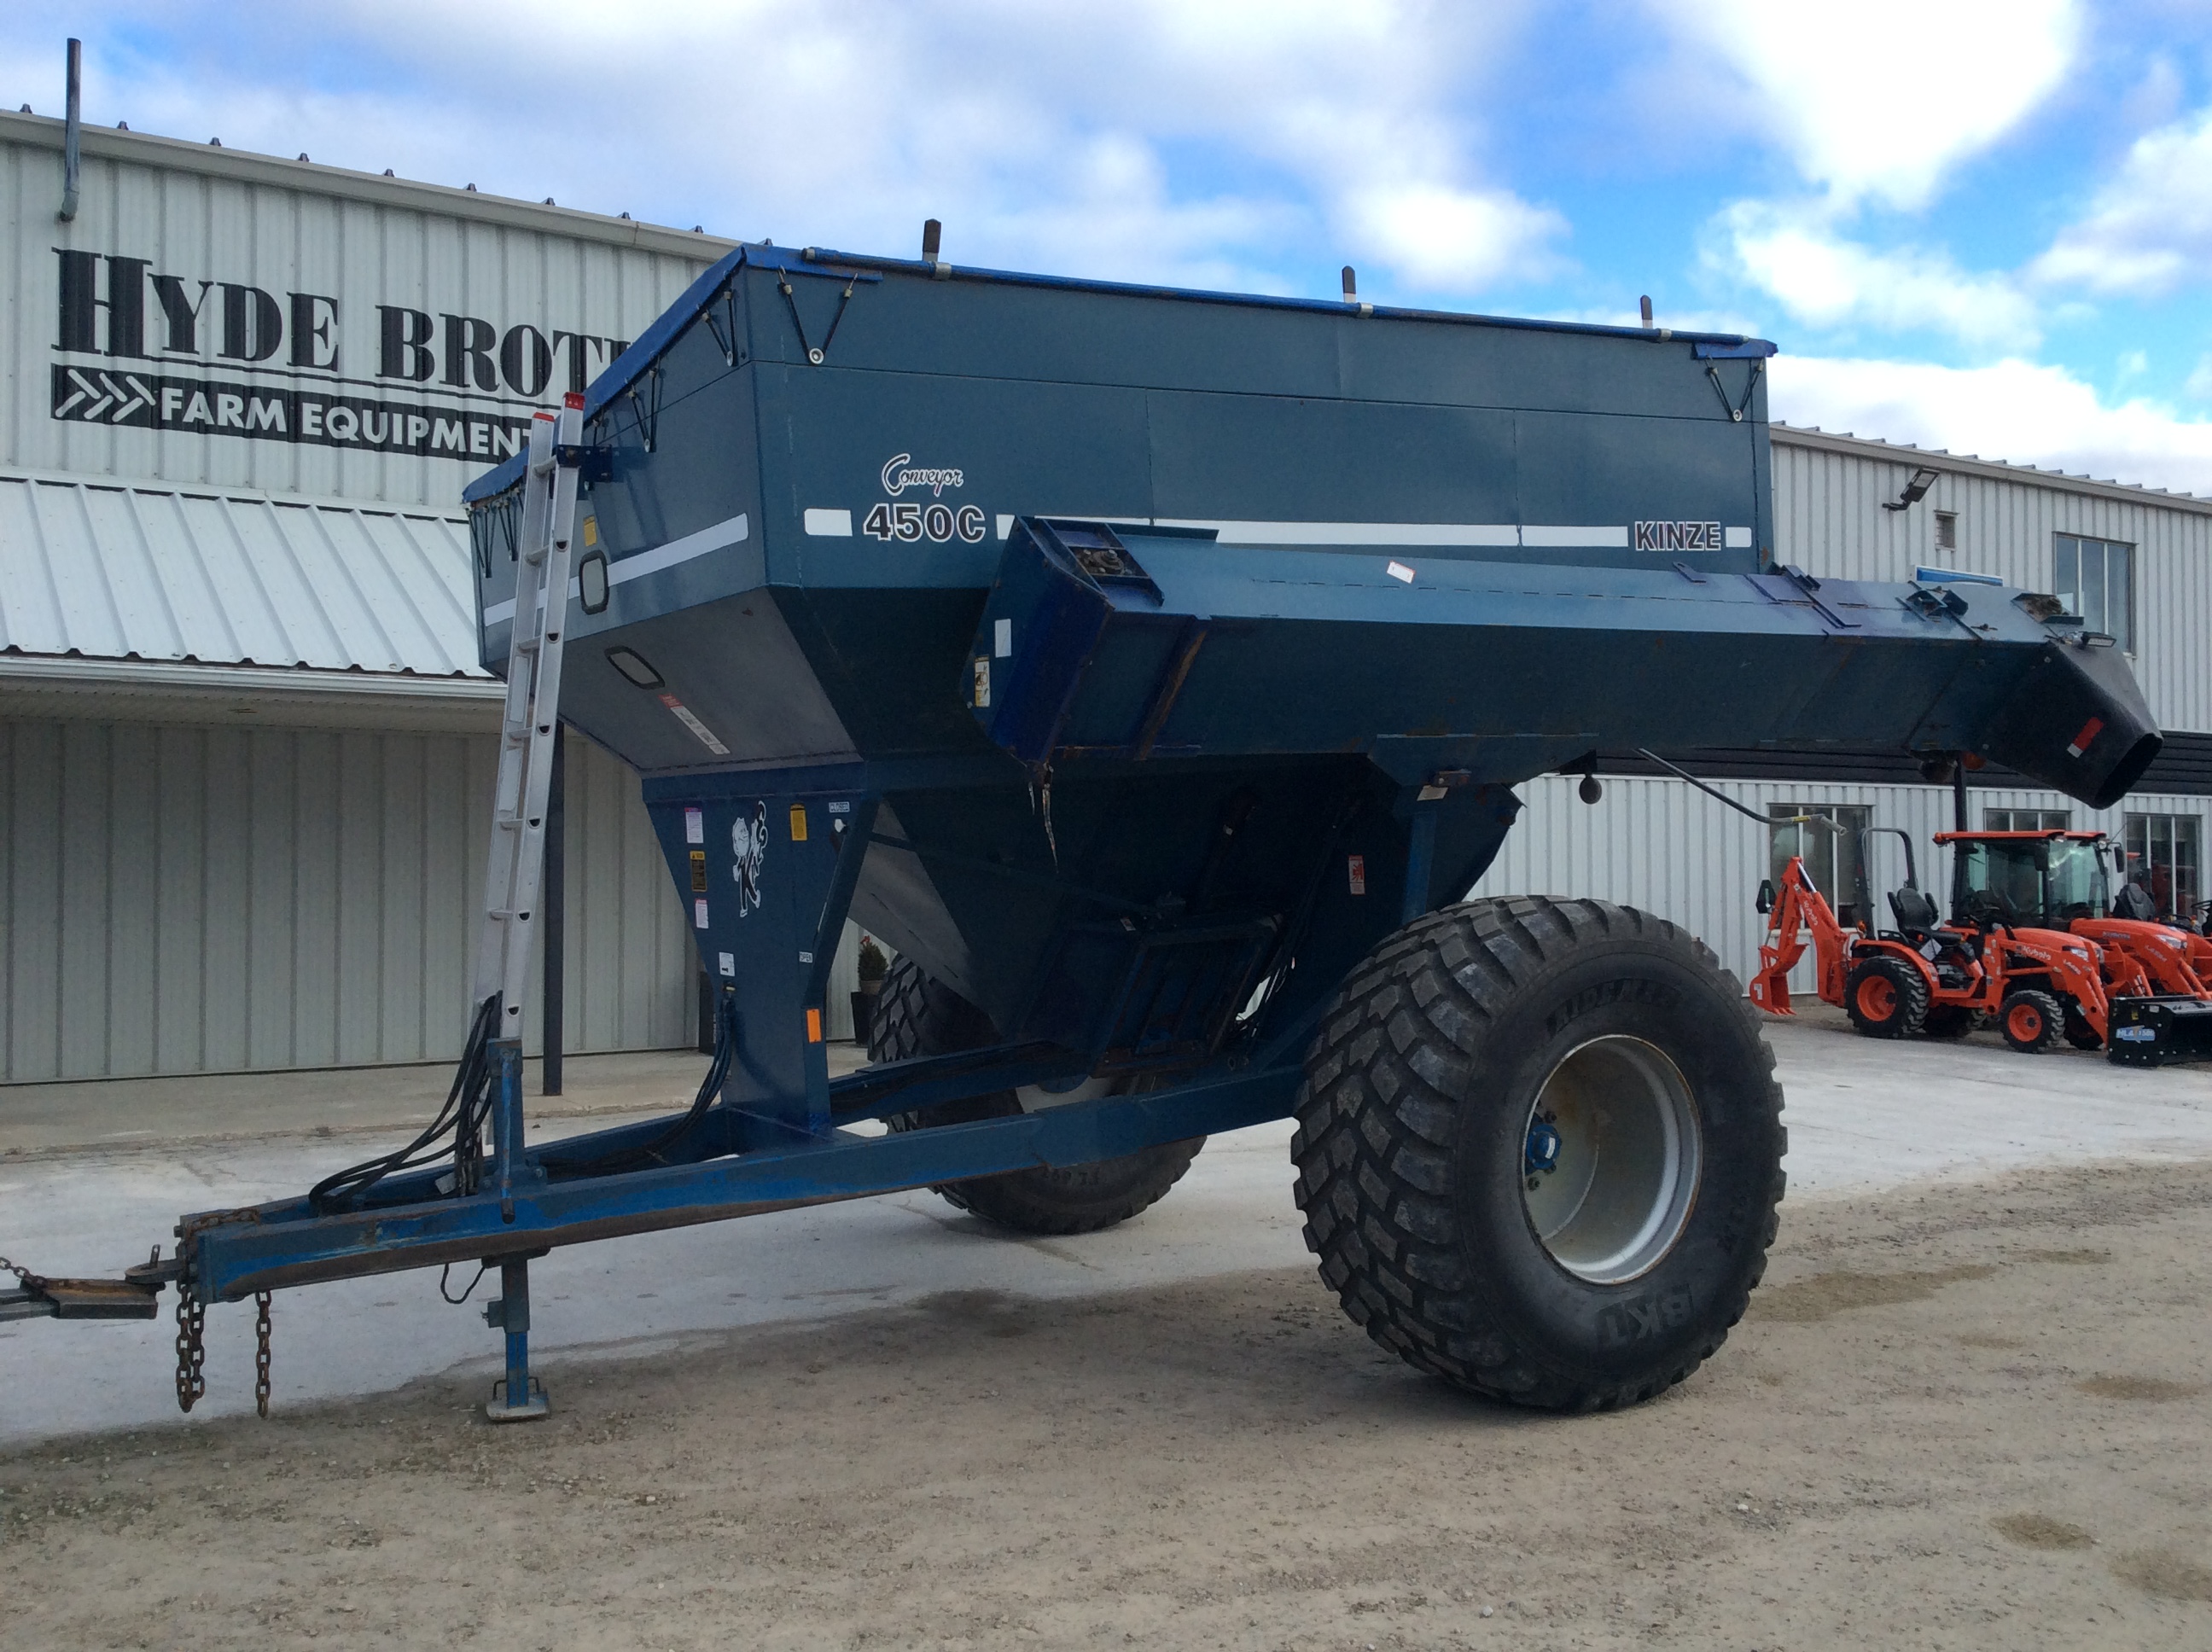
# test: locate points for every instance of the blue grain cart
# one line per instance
(1153, 670)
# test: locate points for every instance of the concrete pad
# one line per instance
(106, 1113)
(1864, 1115)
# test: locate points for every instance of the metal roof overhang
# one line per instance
(150, 691)
(162, 603)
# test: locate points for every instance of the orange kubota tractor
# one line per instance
(1927, 975)
(2057, 880)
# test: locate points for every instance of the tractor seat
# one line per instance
(1916, 915)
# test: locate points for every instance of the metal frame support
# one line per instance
(1421, 862)
(518, 1397)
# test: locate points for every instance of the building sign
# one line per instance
(139, 347)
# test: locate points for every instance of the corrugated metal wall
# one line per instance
(190, 900)
(1828, 519)
(1659, 845)
(224, 225)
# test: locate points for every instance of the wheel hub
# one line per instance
(1611, 1159)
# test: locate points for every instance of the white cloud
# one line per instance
(1825, 280)
(2014, 410)
(1453, 239)
(2150, 227)
(1883, 98)
(1228, 143)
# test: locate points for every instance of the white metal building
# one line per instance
(244, 747)
(2138, 562)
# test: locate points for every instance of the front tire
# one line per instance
(916, 1015)
(2079, 1033)
(2030, 1020)
(1539, 1151)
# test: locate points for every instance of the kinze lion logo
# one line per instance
(898, 478)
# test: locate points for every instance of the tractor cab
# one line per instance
(2028, 880)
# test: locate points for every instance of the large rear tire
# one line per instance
(1539, 1151)
(916, 1015)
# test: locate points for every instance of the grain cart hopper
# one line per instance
(1153, 670)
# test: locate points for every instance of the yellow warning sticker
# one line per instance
(591, 531)
(698, 871)
(799, 823)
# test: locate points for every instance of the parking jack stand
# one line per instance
(517, 1397)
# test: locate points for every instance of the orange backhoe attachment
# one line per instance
(1798, 907)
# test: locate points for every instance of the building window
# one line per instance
(2095, 579)
(2166, 855)
(1832, 859)
(2028, 820)
(1946, 530)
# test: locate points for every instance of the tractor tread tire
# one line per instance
(2079, 1033)
(1948, 1021)
(916, 1015)
(1396, 1091)
(1911, 987)
(2054, 1019)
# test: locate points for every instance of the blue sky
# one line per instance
(1985, 227)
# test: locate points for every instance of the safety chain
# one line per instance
(191, 1317)
(191, 1320)
(261, 1352)
(24, 1277)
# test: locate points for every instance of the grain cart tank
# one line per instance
(1154, 668)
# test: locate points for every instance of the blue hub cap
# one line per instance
(1542, 1151)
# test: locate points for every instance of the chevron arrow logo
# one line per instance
(139, 396)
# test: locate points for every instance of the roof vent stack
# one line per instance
(72, 124)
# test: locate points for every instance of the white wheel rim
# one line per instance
(1610, 1158)
(1035, 1098)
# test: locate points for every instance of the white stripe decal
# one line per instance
(828, 525)
(1476, 534)
(1355, 533)
(707, 541)
(1574, 538)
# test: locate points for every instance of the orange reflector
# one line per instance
(814, 1026)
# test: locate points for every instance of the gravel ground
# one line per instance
(1964, 1415)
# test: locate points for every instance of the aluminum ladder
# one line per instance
(517, 862)
(516, 867)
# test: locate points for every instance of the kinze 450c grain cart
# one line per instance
(2032, 947)
(1154, 668)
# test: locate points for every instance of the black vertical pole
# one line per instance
(1959, 794)
(72, 124)
(553, 903)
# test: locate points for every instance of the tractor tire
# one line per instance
(2079, 1033)
(2031, 1020)
(916, 1015)
(1887, 998)
(1948, 1021)
(1539, 1150)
